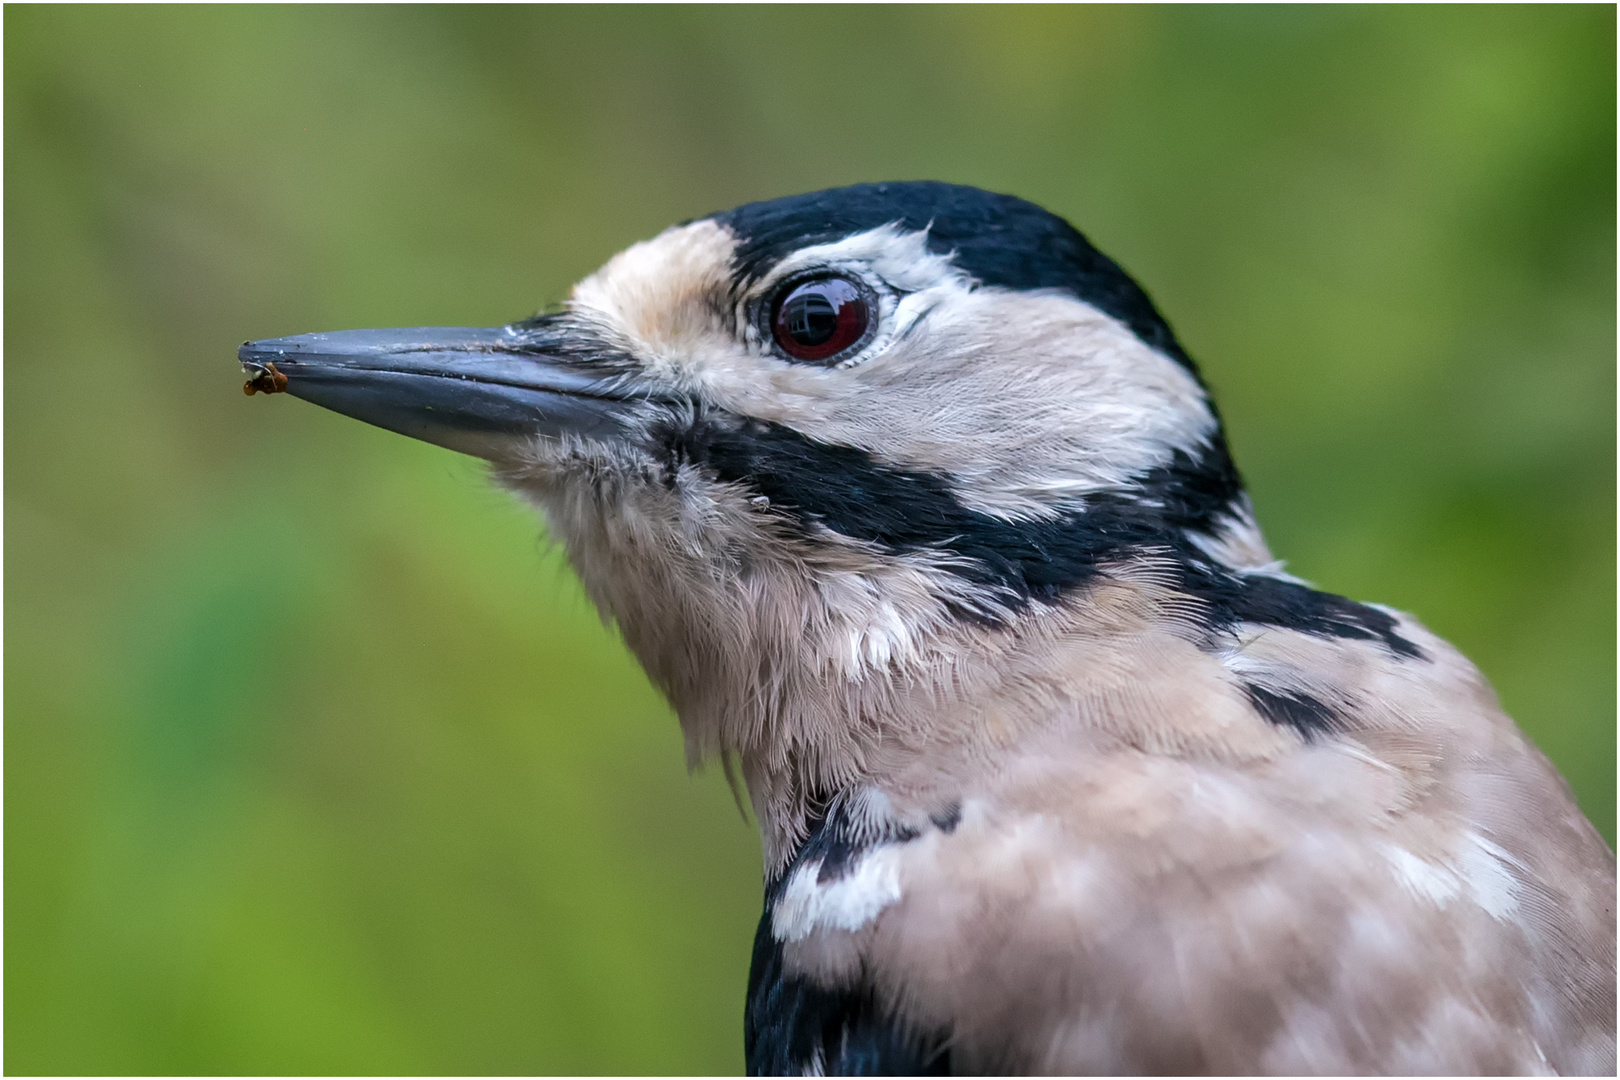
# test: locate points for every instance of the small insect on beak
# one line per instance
(484, 392)
(266, 380)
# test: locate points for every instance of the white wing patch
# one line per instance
(1488, 870)
(848, 902)
(1483, 874)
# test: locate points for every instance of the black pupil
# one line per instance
(811, 317)
(820, 319)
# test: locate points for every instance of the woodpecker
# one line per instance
(911, 503)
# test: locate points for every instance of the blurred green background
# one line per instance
(315, 758)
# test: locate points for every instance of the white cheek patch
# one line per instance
(848, 902)
(1483, 874)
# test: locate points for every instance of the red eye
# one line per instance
(819, 319)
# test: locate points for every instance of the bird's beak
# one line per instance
(479, 391)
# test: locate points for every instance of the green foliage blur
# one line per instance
(316, 760)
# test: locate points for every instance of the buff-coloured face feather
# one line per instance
(911, 503)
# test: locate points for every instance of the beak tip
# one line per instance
(479, 391)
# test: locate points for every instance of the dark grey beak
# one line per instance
(479, 391)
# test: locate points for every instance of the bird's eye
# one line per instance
(819, 319)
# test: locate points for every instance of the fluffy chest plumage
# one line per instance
(1090, 904)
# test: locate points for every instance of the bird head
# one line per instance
(825, 457)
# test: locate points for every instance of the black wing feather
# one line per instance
(793, 1027)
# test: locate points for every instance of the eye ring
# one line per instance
(821, 318)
